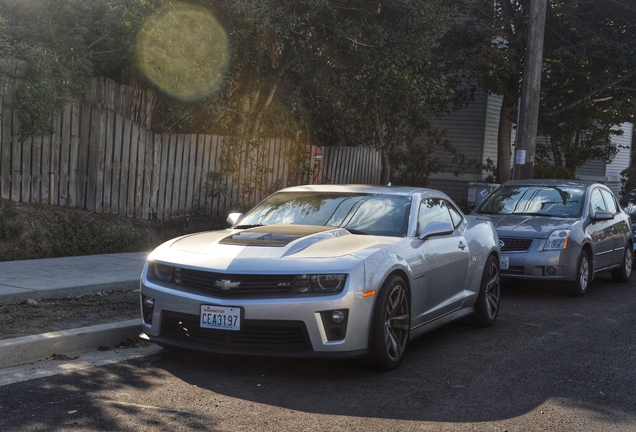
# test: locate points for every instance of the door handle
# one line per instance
(461, 245)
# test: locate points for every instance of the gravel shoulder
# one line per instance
(30, 318)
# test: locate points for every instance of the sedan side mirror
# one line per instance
(603, 216)
(436, 228)
(233, 218)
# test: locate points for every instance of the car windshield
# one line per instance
(535, 200)
(357, 212)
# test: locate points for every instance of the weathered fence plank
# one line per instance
(100, 160)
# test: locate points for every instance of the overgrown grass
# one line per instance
(42, 231)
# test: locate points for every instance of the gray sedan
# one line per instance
(325, 271)
(560, 230)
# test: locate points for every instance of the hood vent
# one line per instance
(272, 235)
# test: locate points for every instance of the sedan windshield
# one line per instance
(359, 213)
(535, 200)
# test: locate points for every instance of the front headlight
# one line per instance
(558, 240)
(327, 283)
(162, 272)
(321, 284)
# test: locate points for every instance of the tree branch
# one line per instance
(589, 94)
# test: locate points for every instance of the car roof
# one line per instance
(552, 183)
(364, 188)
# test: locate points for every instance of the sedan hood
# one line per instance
(260, 248)
(514, 225)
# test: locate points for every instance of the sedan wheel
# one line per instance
(487, 304)
(390, 326)
(578, 287)
(623, 273)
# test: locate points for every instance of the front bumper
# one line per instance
(537, 264)
(289, 326)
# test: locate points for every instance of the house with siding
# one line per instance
(473, 131)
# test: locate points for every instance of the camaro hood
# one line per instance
(514, 225)
(260, 248)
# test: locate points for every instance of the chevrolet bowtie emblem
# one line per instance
(226, 284)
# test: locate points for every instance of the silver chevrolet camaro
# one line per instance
(325, 271)
(560, 230)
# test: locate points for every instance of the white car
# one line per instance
(325, 271)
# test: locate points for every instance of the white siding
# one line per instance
(610, 174)
(472, 130)
(493, 112)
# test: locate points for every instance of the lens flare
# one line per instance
(184, 51)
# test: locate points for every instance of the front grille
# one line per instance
(255, 336)
(248, 285)
(511, 244)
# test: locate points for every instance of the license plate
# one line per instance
(220, 317)
(505, 263)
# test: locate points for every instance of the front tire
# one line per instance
(578, 287)
(487, 303)
(390, 326)
(623, 273)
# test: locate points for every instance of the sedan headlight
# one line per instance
(558, 240)
(162, 272)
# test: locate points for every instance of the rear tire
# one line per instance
(578, 287)
(390, 326)
(623, 273)
(487, 303)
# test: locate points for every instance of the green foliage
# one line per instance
(40, 231)
(9, 227)
(589, 69)
(65, 43)
(413, 164)
(49, 82)
(243, 178)
(547, 170)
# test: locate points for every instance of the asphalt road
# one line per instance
(550, 363)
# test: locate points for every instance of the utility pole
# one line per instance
(530, 93)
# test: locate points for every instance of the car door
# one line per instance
(601, 232)
(445, 261)
(619, 229)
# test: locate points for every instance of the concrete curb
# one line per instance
(39, 347)
(76, 291)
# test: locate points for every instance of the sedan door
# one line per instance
(602, 233)
(620, 228)
(445, 260)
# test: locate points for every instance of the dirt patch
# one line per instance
(25, 319)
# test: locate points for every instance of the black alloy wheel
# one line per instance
(487, 303)
(391, 324)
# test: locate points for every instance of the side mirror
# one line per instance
(435, 228)
(233, 218)
(603, 216)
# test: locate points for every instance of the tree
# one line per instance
(589, 81)
(65, 43)
(588, 70)
(371, 76)
(485, 46)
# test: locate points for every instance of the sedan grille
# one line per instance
(255, 336)
(228, 285)
(511, 244)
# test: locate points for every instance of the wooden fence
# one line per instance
(100, 160)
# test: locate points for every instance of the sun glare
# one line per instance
(184, 51)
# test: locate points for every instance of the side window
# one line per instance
(609, 202)
(597, 201)
(433, 210)
(455, 216)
